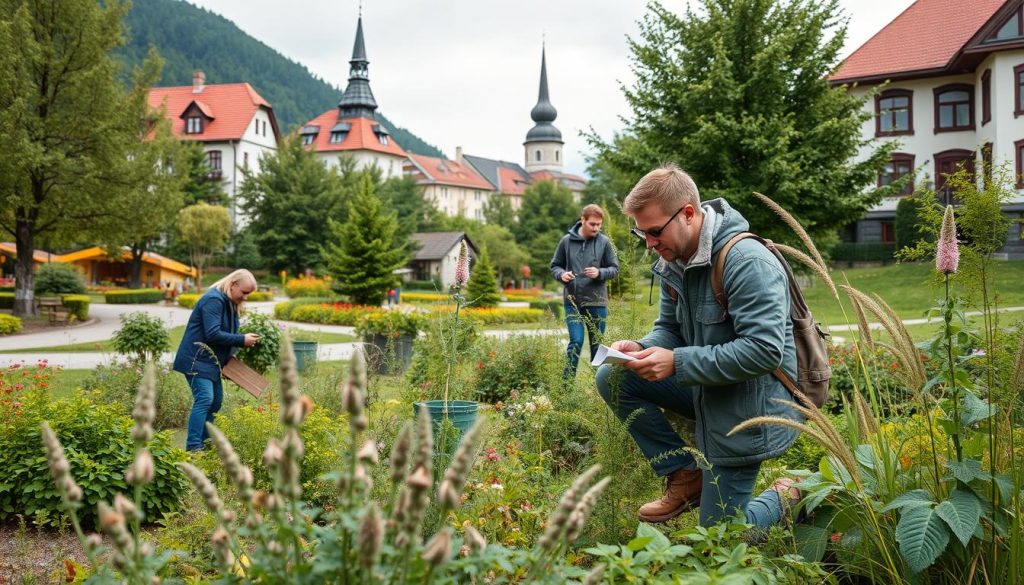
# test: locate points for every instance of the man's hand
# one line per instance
(626, 345)
(591, 272)
(653, 364)
(568, 276)
(251, 339)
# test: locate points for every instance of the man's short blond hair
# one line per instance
(592, 209)
(668, 187)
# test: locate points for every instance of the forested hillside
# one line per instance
(190, 38)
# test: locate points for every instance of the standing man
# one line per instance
(709, 366)
(584, 262)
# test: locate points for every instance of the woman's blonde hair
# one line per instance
(224, 284)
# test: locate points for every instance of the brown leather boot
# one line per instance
(682, 493)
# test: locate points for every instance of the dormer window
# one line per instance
(194, 125)
(339, 132)
(308, 134)
(382, 134)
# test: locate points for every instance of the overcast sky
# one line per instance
(466, 72)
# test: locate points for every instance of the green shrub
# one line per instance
(555, 307)
(262, 356)
(249, 427)
(133, 296)
(6, 300)
(141, 337)
(77, 305)
(55, 278)
(528, 365)
(260, 296)
(431, 355)
(97, 440)
(188, 300)
(9, 324)
(116, 383)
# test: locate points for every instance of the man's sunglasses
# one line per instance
(654, 232)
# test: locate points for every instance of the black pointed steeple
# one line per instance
(543, 113)
(357, 101)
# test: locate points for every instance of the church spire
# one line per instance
(543, 113)
(357, 101)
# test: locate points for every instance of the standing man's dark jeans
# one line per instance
(591, 319)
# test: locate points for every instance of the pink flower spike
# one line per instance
(462, 266)
(947, 255)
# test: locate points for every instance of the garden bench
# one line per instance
(54, 309)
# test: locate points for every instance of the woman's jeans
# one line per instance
(726, 489)
(207, 397)
(593, 320)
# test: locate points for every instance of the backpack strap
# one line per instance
(718, 275)
(718, 268)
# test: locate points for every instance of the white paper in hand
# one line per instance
(607, 355)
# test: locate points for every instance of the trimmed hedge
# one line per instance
(134, 296)
(260, 296)
(284, 310)
(9, 324)
(188, 300)
(555, 307)
(6, 300)
(77, 305)
(864, 252)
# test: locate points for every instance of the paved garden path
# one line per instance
(104, 320)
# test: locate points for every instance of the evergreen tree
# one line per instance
(405, 197)
(737, 92)
(503, 251)
(66, 125)
(198, 187)
(548, 210)
(362, 256)
(290, 203)
(482, 289)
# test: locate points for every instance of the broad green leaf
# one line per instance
(658, 540)
(975, 410)
(865, 456)
(911, 499)
(967, 470)
(962, 513)
(922, 536)
(810, 541)
(639, 543)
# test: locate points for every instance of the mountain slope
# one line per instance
(189, 38)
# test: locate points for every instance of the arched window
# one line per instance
(556, 156)
(536, 155)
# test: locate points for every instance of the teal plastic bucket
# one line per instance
(462, 414)
(305, 355)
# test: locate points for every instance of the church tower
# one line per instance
(357, 101)
(543, 146)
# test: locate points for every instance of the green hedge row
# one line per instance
(9, 324)
(134, 296)
(863, 252)
(284, 310)
(554, 306)
(6, 300)
(77, 305)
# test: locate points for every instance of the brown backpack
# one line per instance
(812, 365)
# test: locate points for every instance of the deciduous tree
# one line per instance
(548, 210)
(205, 230)
(66, 122)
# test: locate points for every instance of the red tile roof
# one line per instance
(511, 182)
(231, 105)
(430, 169)
(926, 36)
(360, 136)
(570, 181)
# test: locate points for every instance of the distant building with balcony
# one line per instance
(949, 77)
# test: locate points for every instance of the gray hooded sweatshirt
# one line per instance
(574, 253)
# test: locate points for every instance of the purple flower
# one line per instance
(462, 266)
(947, 255)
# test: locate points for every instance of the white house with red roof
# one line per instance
(351, 129)
(453, 187)
(234, 123)
(949, 77)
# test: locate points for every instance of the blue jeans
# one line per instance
(726, 488)
(207, 397)
(593, 319)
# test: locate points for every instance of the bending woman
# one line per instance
(211, 337)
